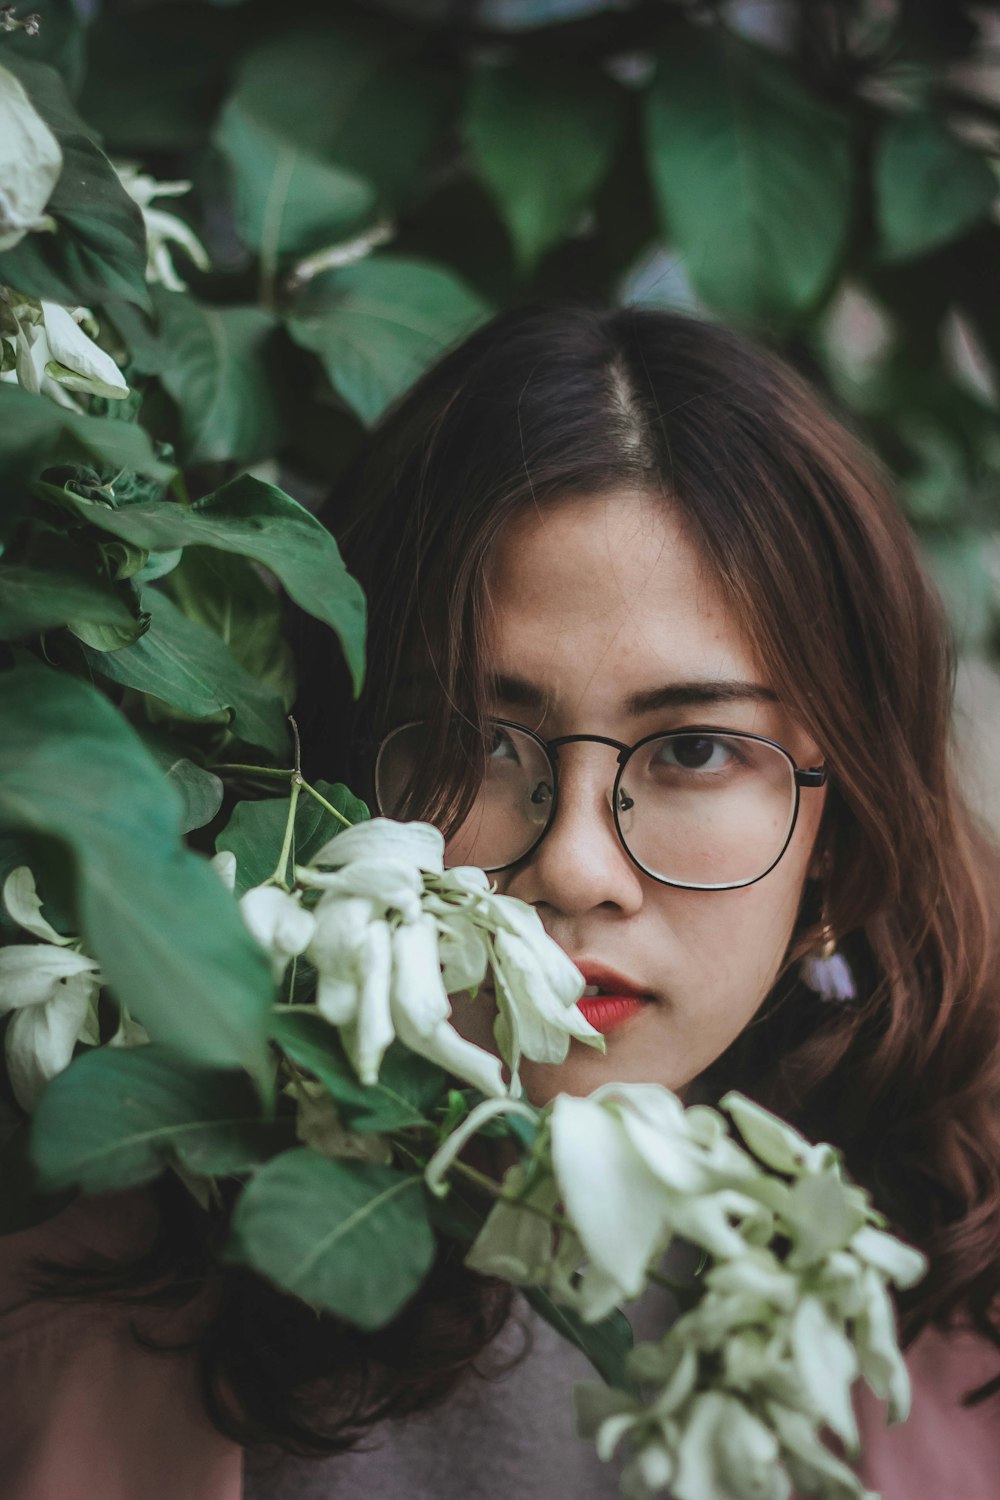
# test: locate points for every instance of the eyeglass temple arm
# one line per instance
(814, 776)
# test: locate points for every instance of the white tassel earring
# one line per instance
(826, 971)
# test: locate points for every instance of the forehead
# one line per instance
(597, 597)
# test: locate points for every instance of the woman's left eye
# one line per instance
(695, 752)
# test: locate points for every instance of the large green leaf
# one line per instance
(752, 174)
(408, 1088)
(200, 791)
(929, 187)
(542, 141)
(259, 521)
(347, 97)
(35, 434)
(191, 669)
(343, 1235)
(166, 933)
(214, 362)
(33, 599)
(99, 247)
(228, 594)
(256, 829)
(376, 326)
(116, 1117)
(289, 200)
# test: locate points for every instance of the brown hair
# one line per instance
(800, 523)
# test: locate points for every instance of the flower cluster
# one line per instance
(52, 989)
(163, 230)
(30, 164)
(793, 1308)
(393, 935)
(47, 348)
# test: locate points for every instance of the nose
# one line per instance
(580, 864)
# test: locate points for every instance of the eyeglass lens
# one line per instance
(696, 808)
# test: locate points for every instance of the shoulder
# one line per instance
(87, 1410)
(944, 1448)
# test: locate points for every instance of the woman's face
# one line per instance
(598, 602)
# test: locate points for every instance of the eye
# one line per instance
(695, 752)
(500, 746)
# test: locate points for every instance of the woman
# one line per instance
(651, 641)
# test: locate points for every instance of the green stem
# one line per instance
(278, 878)
(328, 805)
(680, 1288)
(495, 1189)
(255, 770)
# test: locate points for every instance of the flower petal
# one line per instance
(383, 838)
(279, 923)
(87, 367)
(613, 1201)
(367, 1036)
(40, 1039)
(35, 973)
(418, 991)
(21, 899)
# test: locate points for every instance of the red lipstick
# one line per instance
(617, 999)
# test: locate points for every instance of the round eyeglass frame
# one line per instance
(802, 776)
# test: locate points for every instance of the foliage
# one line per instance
(355, 187)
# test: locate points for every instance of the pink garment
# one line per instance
(85, 1413)
(944, 1451)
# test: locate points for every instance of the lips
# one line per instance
(613, 999)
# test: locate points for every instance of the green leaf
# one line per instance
(376, 326)
(36, 434)
(256, 829)
(348, 1237)
(408, 1088)
(99, 247)
(259, 521)
(345, 96)
(606, 1344)
(228, 594)
(200, 791)
(191, 669)
(752, 174)
(929, 187)
(289, 200)
(156, 917)
(542, 141)
(214, 362)
(117, 1116)
(33, 599)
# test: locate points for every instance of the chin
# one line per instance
(586, 1069)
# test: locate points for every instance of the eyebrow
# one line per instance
(520, 692)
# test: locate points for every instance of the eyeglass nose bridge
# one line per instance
(552, 746)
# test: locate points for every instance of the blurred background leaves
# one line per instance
(371, 180)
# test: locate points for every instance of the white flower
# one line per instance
(224, 865)
(279, 923)
(52, 353)
(30, 164)
(537, 987)
(725, 1452)
(396, 934)
(618, 1209)
(162, 229)
(52, 990)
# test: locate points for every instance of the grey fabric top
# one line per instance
(509, 1436)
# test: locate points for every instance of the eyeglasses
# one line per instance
(701, 808)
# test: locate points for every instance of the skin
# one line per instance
(596, 600)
